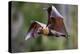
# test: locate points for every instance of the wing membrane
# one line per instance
(33, 30)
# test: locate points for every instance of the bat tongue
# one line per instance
(55, 13)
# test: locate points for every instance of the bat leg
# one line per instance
(63, 35)
(57, 35)
(66, 36)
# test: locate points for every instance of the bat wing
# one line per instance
(34, 29)
(55, 21)
(56, 24)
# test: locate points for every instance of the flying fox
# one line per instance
(54, 27)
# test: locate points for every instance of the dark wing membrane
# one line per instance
(57, 24)
(32, 32)
(51, 22)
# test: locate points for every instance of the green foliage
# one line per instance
(35, 12)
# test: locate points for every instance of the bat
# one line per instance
(54, 27)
